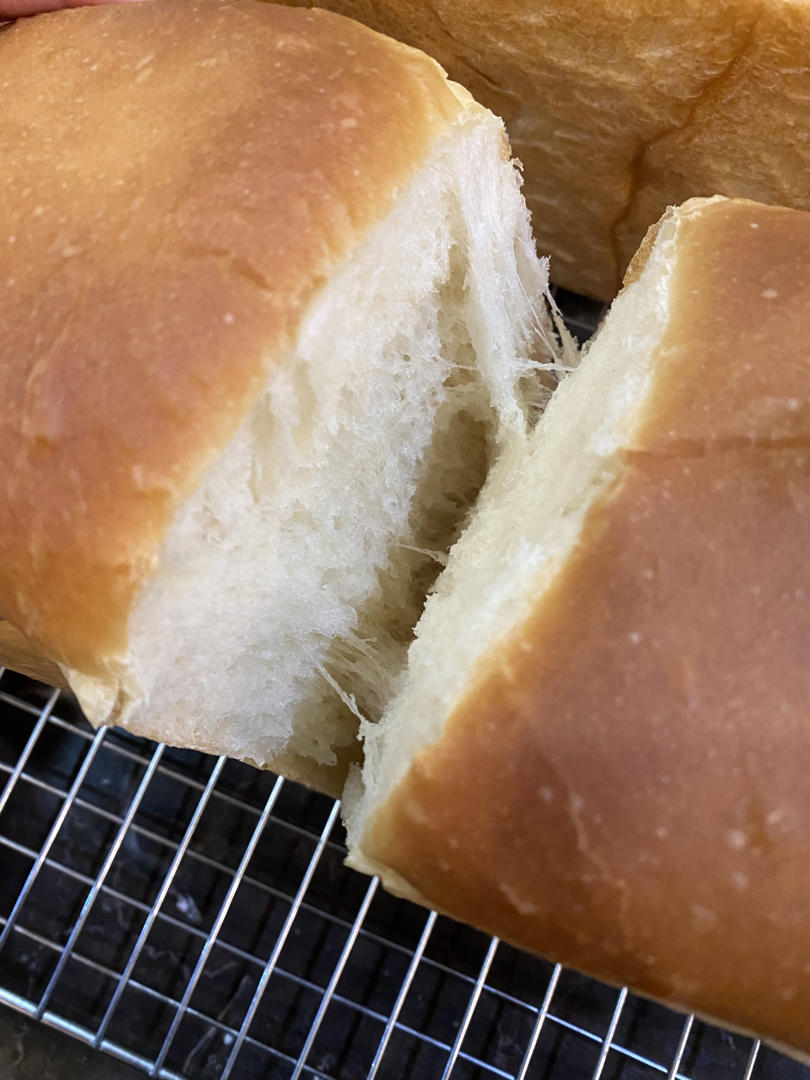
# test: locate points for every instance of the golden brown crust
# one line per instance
(20, 654)
(741, 137)
(619, 108)
(177, 181)
(625, 786)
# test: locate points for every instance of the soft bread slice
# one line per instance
(600, 751)
(268, 305)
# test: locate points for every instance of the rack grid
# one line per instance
(192, 916)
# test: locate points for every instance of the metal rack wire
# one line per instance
(192, 916)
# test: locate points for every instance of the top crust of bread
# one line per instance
(620, 108)
(624, 784)
(178, 180)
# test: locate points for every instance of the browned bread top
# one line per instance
(624, 784)
(619, 108)
(178, 180)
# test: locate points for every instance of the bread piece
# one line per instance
(269, 300)
(600, 750)
(21, 654)
(619, 108)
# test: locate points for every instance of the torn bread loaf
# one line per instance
(268, 304)
(620, 108)
(600, 751)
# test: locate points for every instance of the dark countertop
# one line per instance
(32, 1051)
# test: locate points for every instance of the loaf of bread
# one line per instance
(269, 302)
(270, 316)
(600, 749)
(619, 108)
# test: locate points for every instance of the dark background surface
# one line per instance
(30, 1051)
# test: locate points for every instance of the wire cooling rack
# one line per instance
(192, 916)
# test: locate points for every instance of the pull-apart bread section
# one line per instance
(268, 305)
(601, 748)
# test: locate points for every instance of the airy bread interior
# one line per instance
(527, 520)
(288, 585)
